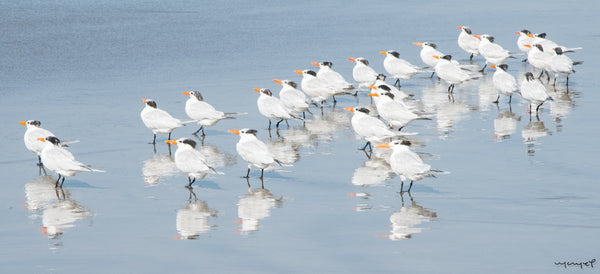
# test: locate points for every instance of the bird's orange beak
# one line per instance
(460, 27)
(144, 100)
(435, 56)
(527, 46)
(418, 44)
(316, 64)
(383, 146)
(278, 81)
(349, 109)
(372, 87)
(530, 35)
(298, 71)
(41, 139)
(517, 32)
(493, 66)
(186, 93)
(234, 131)
(257, 90)
(383, 52)
(172, 142)
(477, 36)
(384, 235)
(23, 123)
(352, 59)
(373, 94)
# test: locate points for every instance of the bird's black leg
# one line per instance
(269, 127)
(397, 83)
(334, 101)
(201, 128)
(471, 58)
(57, 181)
(483, 68)
(191, 181)
(497, 100)
(62, 181)
(538, 107)
(548, 76)
(40, 161)
(524, 60)
(277, 125)
(567, 81)
(401, 186)
(169, 136)
(248, 173)
(368, 144)
(432, 74)
(542, 73)
(510, 99)
(154, 140)
(262, 171)
(409, 187)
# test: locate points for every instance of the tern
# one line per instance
(253, 151)
(363, 73)
(562, 64)
(272, 108)
(191, 161)
(451, 72)
(204, 113)
(332, 77)
(533, 91)
(292, 98)
(468, 42)
(504, 83)
(398, 67)
(158, 120)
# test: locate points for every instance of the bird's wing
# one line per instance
(159, 118)
(201, 110)
(255, 151)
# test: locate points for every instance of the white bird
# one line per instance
(539, 59)
(428, 50)
(396, 114)
(562, 64)
(398, 67)
(253, 151)
(468, 42)
(368, 127)
(549, 45)
(292, 98)
(493, 53)
(399, 95)
(33, 132)
(525, 38)
(158, 120)
(406, 163)
(533, 91)
(272, 108)
(504, 83)
(191, 161)
(202, 112)
(451, 72)
(318, 89)
(332, 77)
(61, 160)
(363, 73)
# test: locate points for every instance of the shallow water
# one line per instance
(521, 193)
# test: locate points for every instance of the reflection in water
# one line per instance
(561, 106)
(62, 214)
(449, 114)
(487, 93)
(505, 124)
(405, 220)
(284, 151)
(159, 165)
(531, 132)
(255, 206)
(322, 127)
(39, 193)
(193, 219)
(374, 171)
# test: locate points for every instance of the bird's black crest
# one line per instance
(53, 140)
(34, 122)
(251, 131)
(490, 38)
(447, 57)
(364, 110)
(364, 61)
(539, 47)
(381, 76)
(384, 87)
(394, 53)
(189, 142)
(292, 84)
(267, 91)
(311, 73)
(389, 94)
(504, 67)
(327, 63)
(526, 31)
(151, 103)
(406, 142)
(197, 94)
(431, 45)
(558, 50)
(468, 30)
(541, 35)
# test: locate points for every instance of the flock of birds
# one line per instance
(380, 126)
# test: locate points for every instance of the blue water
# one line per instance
(513, 204)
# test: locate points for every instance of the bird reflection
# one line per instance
(216, 158)
(531, 132)
(374, 171)
(62, 214)
(284, 151)
(193, 219)
(40, 193)
(254, 206)
(561, 106)
(505, 124)
(322, 127)
(405, 220)
(487, 93)
(157, 166)
(449, 114)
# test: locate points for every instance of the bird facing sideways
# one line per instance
(292, 98)
(253, 151)
(504, 83)
(272, 108)
(468, 42)
(158, 120)
(202, 112)
(60, 160)
(332, 77)
(33, 132)
(451, 72)
(191, 161)
(363, 73)
(533, 91)
(398, 67)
